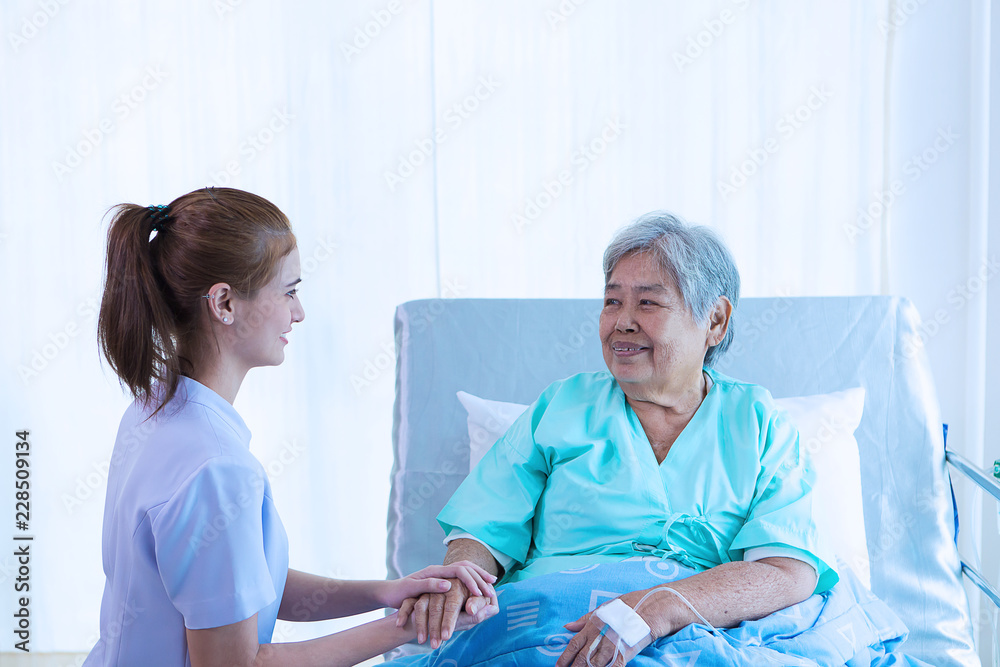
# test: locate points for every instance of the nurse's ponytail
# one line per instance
(162, 259)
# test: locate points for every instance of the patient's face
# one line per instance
(652, 344)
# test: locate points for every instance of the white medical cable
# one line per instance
(635, 609)
(684, 600)
(597, 642)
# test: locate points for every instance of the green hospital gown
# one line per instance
(575, 482)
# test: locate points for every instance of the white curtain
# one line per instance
(449, 148)
(943, 242)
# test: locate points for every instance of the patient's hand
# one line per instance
(591, 646)
(437, 616)
(484, 610)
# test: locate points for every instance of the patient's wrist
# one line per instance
(661, 614)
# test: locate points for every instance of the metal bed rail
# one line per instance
(991, 486)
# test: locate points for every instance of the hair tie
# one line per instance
(158, 216)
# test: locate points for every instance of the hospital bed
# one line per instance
(509, 350)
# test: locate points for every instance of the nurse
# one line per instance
(660, 456)
(196, 294)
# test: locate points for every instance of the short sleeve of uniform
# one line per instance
(781, 514)
(209, 545)
(496, 502)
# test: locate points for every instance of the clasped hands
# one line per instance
(442, 599)
(471, 599)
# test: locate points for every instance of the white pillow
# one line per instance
(826, 425)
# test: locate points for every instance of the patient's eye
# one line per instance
(610, 302)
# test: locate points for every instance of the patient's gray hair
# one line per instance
(694, 256)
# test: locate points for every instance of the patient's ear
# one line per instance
(718, 321)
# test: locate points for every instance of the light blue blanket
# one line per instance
(844, 626)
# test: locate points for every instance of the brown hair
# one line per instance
(153, 288)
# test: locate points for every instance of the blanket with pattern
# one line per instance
(847, 625)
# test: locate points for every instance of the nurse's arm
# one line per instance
(308, 597)
(236, 644)
(435, 614)
(726, 595)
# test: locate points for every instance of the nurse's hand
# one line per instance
(436, 616)
(435, 579)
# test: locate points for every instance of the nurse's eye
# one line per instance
(292, 292)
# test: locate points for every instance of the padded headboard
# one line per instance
(509, 350)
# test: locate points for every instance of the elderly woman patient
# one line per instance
(660, 456)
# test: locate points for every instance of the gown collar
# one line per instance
(196, 392)
(644, 449)
(711, 373)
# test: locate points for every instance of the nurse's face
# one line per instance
(263, 323)
(652, 344)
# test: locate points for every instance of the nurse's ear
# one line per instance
(220, 300)
(718, 321)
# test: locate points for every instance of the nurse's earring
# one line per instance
(225, 320)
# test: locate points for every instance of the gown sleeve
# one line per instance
(209, 545)
(781, 513)
(496, 502)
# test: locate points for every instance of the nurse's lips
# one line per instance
(625, 349)
(282, 336)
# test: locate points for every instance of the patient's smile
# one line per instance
(627, 349)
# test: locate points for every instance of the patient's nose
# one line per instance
(626, 323)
